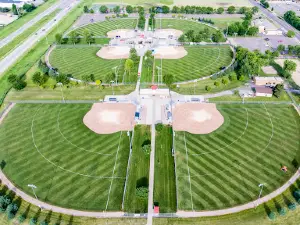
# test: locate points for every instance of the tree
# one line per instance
(103, 9)
(241, 78)
(117, 9)
(62, 78)
(218, 36)
(109, 77)
(282, 211)
(168, 79)
(252, 31)
(291, 34)
(19, 84)
(129, 9)
(87, 36)
(85, 9)
(37, 78)
(98, 82)
(159, 127)
(142, 192)
(264, 3)
(29, 7)
(272, 215)
(11, 210)
(181, 38)
(277, 91)
(133, 56)
(217, 83)
(190, 35)
(146, 149)
(129, 65)
(21, 218)
(289, 65)
(32, 221)
(207, 88)
(281, 48)
(148, 60)
(91, 11)
(44, 223)
(220, 10)
(165, 9)
(58, 38)
(43, 67)
(232, 76)
(292, 206)
(74, 37)
(11, 78)
(231, 10)
(296, 194)
(14, 9)
(225, 81)
(255, 9)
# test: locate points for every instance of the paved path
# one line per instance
(151, 170)
(29, 24)
(14, 55)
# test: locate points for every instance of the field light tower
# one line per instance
(32, 186)
(261, 186)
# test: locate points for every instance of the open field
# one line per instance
(164, 185)
(23, 36)
(82, 60)
(138, 172)
(48, 145)
(101, 29)
(136, 2)
(213, 3)
(200, 61)
(24, 19)
(224, 168)
(222, 23)
(183, 25)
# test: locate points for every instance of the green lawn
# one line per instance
(23, 36)
(222, 23)
(164, 180)
(24, 19)
(82, 60)
(199, 87)
(101, 28)
(199, 62)
(226, 166)
(138, 172)
(48, 145)
(183, 25)
(136, 2)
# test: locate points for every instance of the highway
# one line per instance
(27, 44)
(284, 26)
(27, 25)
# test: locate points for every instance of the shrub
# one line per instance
(272, 216)
(282, 211)
(12, 78)
(296, 194)
(292, 206)
(159, 127)
(146, 149)
(19, 84)
(32, 221)
(142, 192)
(217, 83)
(207, 88)
(43, 223)
(290, 34)
(21, 218)
(232, 77)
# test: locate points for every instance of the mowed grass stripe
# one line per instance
(231, 176)
(55, 184)
(200, 61)
(101, 28)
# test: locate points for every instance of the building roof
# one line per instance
(266, 23)
(263, 90)
(9, 1)
(269, 79)
(156, 209)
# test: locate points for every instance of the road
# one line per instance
(30, 23)
(14, 55)
(283, 25)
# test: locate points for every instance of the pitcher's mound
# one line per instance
(117, 52)
(197, 118)
(169, 52)
(123, 33)
(108, 118)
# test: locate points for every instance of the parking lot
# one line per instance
(280, 8)
(262, 43)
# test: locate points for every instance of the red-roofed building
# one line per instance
(156, 209)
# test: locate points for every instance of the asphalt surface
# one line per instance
(13, 56)
(27, 25)
(284, 26)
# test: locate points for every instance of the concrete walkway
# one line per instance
(151, 170)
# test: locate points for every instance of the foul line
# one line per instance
(116, 159)
(246, 161)
(246, 127)
(70, 171)
(58, 127)
(187, 163)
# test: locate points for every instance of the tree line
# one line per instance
(292, 18)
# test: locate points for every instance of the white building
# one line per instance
(9, 3)
(266, 27)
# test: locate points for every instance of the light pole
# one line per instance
(34, 187)
(260, 192)
(62, 93)
(112, 87)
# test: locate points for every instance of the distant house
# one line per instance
(268, 81)
(262, 91)
(9, 3)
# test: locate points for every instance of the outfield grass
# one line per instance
(139, 171)
(226, 166)
(199, 62)
(48, 145)
(164, 180)
(82, 60)
(183, 25)
(222, 23)
(23, 36)
(101, 28)
(24, 19)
